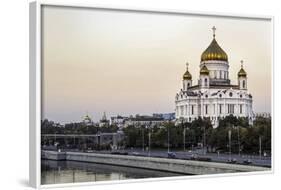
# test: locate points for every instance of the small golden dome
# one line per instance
(187, 76)
(242, 72)
(204, 70)
(87, 117)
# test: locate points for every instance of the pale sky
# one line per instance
(131, 63)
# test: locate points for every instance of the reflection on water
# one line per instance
(53, 172)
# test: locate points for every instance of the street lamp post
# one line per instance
(204, 141)
(74, 141)
(229, 138)
(142, 139)
(184, 130)
(193, 139)
(149, 137)
(260, 146)
(168, 138)
(183, 135)
(239, 149)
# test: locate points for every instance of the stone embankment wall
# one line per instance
(162, 164)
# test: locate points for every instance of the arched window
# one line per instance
(244, 84)
(206, 82)
(188, 85)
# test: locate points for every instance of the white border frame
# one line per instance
(34, 94)
(35, 88)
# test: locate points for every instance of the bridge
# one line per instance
(161, 164)
(89, 139)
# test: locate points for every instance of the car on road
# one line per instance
(247, 161)
(193, 157)
(232, 161)
(171, 155)
(200, 158)
(206, 159)
(119, 153)
(135, 153)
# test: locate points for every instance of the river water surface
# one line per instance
(55, 172)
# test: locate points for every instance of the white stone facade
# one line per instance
(213, 103)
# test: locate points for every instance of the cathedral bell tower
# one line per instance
(187, 79)
(242, 78)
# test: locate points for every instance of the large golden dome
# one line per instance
(214, 51)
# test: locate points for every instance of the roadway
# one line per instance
(264, 161)
(222, 157)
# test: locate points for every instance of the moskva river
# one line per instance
(55, 172)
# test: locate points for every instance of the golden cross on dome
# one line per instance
(187, 65)
(241, 63)
(214, 31)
